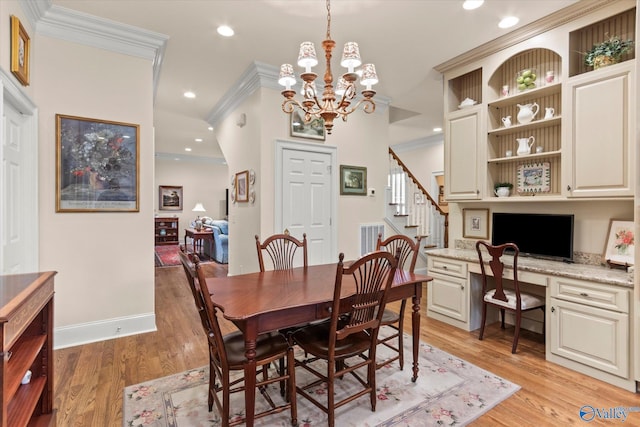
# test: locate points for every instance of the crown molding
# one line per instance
(77, 27)
(191, 159)
(526, 32)
(418, 143)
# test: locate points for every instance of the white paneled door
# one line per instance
(19, 253)
(307, 194)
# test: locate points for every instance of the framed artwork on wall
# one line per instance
(620, 249)
(475, 223)
(97, 165)
(353, 180)
(242, 186)
(20, 51)
(312, 130)
(170, 198)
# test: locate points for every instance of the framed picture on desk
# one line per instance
(620, 249)
(475, 223)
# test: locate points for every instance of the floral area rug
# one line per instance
(448, 392)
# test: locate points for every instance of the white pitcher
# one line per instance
(506, 121)
(524, 145)
(549, 112)
(527, 112)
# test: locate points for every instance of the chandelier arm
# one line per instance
(289, 106)
(368, 106)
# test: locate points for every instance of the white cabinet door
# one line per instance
(461, 154)
(601, 156)
(447, 295)
(591, 336)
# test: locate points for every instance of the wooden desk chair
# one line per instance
(226, 353)
(505, 299)
(349, 334)
(281, 249)
(408, 257)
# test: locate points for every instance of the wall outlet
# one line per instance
(371, 192)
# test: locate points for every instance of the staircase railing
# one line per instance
(411, 200)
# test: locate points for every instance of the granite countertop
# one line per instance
(601, 274)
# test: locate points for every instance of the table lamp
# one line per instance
(198, 208)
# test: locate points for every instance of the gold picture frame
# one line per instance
(20, 51)
(242, 186)
(475, 223)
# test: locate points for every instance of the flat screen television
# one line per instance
(548, 236)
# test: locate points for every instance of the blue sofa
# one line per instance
(220, 247)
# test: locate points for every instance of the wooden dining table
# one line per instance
(272, 300)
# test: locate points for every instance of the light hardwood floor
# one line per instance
(90, 379)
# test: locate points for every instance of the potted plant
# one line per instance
(608, 52)
(502, 189)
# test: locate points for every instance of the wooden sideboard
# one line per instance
(26, 332)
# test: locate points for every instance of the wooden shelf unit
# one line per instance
(26, 330)
(166, 230)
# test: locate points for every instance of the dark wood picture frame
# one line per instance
(170, 198)
(353, 180)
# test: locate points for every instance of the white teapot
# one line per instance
(524, 145)
(527, 112)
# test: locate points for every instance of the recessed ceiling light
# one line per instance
(437, 129)
(210, 128)
(472, 4)
(508, 22)
(189, 94)
(198, 139)
(225, 31)
(187, 149)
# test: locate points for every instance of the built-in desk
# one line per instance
(588, 313)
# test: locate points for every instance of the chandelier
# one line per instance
(329, 106)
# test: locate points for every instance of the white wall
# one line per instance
(362, 141)
(104, 261)
(201, 181)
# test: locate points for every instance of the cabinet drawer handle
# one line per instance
(553, 309)
(568, 188)
(444, 267)
(462, 287)
(584, 294)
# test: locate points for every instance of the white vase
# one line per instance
(502, 191)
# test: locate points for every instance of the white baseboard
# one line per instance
(69, 336)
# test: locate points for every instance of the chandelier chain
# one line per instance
(328, 20)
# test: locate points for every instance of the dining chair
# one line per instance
(281, 249)
(351, 333)
(395, 320)
(227, 354)
(503, 298)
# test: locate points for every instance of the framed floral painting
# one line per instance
(620, 247)
(97, 165)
